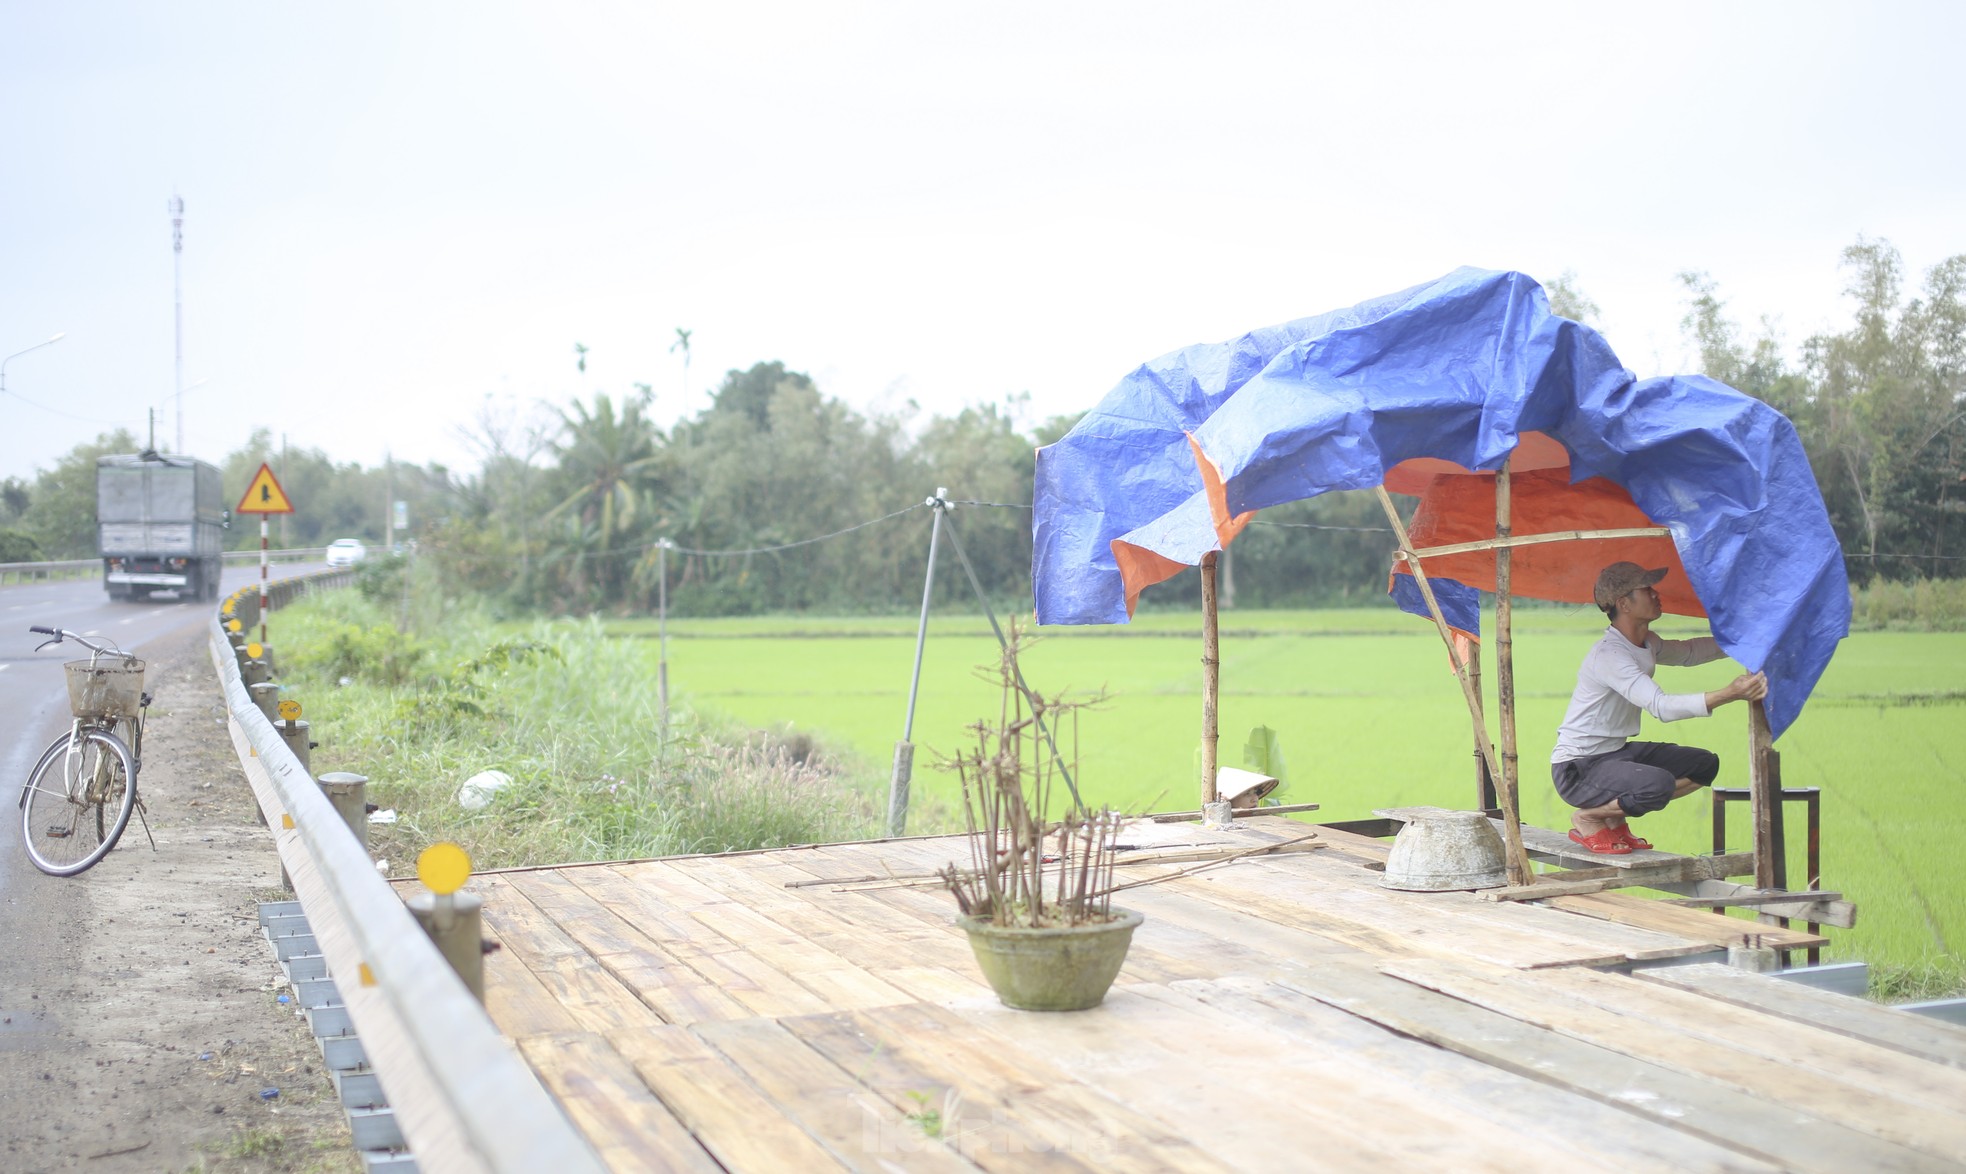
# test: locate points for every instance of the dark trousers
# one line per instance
(1641, 776)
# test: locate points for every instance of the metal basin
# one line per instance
(1438, 852)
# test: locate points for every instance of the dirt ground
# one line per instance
(152, 1038)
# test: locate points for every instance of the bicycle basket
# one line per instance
(106, 688)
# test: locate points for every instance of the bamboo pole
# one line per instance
(1482, 742)
(1211, 678)
(1534, 540)
(1508, 785)
(1485, 794)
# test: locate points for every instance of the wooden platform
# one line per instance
(1283, 1012)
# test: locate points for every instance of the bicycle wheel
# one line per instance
(77, 802)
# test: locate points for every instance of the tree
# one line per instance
(60, 516)
(750, 392)
(608, 460)
(1568, 301)
(1880, 407)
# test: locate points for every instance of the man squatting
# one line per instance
(1597, 768)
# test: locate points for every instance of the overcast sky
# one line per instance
(395, 211)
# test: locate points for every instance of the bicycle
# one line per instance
(77, 800)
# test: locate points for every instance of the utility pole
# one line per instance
(389, 502)
(177, 297)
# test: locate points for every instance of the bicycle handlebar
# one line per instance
(61, 634)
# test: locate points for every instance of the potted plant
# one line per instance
(1036, 900)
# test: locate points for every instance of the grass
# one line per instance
(572, 718)
(257, 1141)
(1369, 716)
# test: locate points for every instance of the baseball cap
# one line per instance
(1614, 581)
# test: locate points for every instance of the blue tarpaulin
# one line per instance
(1460, 370)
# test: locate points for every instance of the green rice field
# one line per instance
(1369, 716)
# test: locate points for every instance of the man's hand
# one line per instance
(1746, 687)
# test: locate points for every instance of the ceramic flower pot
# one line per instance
(1067, 968)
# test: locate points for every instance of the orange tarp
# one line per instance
(1460, 507)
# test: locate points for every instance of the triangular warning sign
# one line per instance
(264, 495)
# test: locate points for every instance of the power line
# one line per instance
(1944, 558)
(800, 542)
(1316, 526)
(71, 415)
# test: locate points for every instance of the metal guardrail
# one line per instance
(83, 568)
(35, 572)
(463, 1097)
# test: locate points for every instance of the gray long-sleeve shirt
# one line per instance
(1615, 682)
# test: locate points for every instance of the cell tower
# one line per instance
(177, 296)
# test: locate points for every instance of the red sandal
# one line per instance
(1605, 842)
(1637, 842)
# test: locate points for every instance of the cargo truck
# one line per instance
(161, 522)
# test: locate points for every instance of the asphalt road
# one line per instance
(34, 698)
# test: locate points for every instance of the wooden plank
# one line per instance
(921, 961)
(1673, 870)
(1550, 1001)
(742, 1129)
(1942, 1043)
(594, 997)
(662, 978)
(625, 1123)
(516, 1000)
(815, 978)
(1757, 1128)
(1139, 1047)
(1764, 798)
(1751, 898)
(1910, 1080)
(1714, 928)
(696, 973)
(1822, 910)
(978, 1117)
(1449, 924)
(1271, 947)
(1548, 1120)
(1557, 846)
(1354, 843)
(855, 1125)
(1010, 1094)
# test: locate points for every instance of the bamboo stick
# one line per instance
(1211, 678)
(1485, 794)
(1534, 540)
(1238, 813)
(1446, 636)
(1508, 786)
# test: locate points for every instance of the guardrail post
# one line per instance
(349, 793)
(266, 695)
(295, 734)
(254, 672)
(454, 924)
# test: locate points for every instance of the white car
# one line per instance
(345, 552)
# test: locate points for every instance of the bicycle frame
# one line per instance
(79, 728)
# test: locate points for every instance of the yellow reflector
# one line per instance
(443, 868)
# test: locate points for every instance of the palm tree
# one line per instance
(682, 344)
(611, 457)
